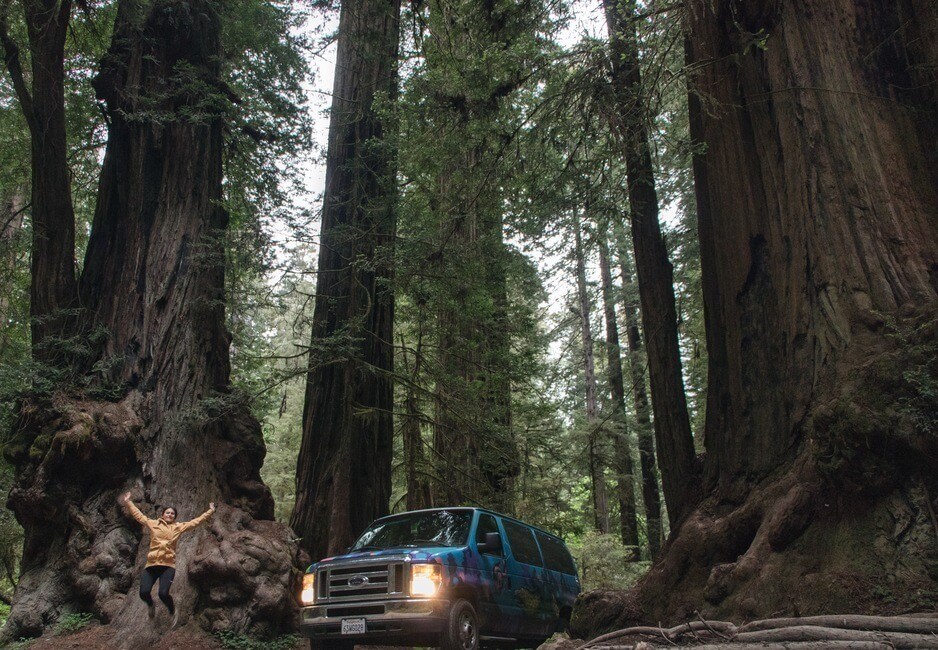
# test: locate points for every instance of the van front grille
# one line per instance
(360, 582)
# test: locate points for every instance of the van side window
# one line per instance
(487, 524)
(556, 555)
(523, 546)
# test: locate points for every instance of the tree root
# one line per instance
(849, 631)
(670, 634)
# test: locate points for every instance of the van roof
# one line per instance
(473, 509)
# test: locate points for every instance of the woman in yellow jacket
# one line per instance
(161, 560)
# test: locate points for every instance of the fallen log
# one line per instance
(794, 645)
(914, 625)
(811, 633)
(853, 631)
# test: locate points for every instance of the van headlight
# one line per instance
(426, 580)
(308, 595)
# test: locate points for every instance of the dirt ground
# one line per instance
(98, 637)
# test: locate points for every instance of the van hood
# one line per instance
(400, 553)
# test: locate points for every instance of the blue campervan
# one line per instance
(454, 578)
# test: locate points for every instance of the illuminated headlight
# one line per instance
(308, 595)
(426, 580)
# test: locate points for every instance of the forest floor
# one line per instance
(101, 637)
(848, 632)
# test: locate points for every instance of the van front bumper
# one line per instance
(410, 620)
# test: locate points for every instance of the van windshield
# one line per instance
(433, 528)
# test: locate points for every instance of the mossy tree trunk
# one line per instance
(158, 417)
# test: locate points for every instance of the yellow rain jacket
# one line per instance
(163, 536)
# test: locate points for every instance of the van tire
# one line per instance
(462, 627)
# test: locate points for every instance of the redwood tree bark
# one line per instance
(817, 205)
(53, 291)
(625, 485)
(171, 431)
(676, 456)
(343, 478)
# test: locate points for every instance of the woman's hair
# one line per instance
(173, 508)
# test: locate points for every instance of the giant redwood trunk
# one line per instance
(818, 216)
(675, 444)
(343, 476)
(53, 290)
(159, 418)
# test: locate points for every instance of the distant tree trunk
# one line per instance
(174, 434)
(53, 290)
(818, 209)
(473, 436)
(655, 274)
(11, 224)
(625, 485)
(343, 477)
(415, 465)
(474, 443)
(594, 452)
(646, 442)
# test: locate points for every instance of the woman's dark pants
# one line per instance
(165, 575)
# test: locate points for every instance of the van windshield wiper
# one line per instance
(367, 548)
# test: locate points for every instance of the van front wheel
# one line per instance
(462, 627)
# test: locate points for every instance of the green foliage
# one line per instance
(267, 147)
(604, 562)
(231, 640)
(70, 623)
(286, 366)
(468, 298)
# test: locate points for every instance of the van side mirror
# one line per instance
(492, 544)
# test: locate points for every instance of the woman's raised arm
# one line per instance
(192, 523)
(134, 510)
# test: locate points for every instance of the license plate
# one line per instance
(353, 626)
